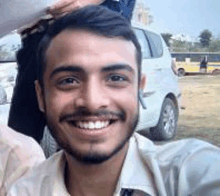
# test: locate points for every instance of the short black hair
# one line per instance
(94, 18)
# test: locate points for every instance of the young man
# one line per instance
(19, 153)
(89, 77)
(24, 115)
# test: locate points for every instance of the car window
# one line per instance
(156, 44)
(146, 54)
(8, 47)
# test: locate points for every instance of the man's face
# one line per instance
(90, 93)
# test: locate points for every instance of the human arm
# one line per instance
(125, 7)
(200, 172)
(18, 154)
(65, 6)
(190, 167)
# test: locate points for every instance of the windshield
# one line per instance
(8, 47)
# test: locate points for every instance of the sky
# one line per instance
(188, 17)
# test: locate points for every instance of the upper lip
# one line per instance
(93, 118)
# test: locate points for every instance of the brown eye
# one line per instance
(117, 78)
(67, 83)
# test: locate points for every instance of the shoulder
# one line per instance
(191, 165)
(18, 153)
(184, 148)
(176, 151)
(18, 144)
(42, 178)
(187, 167)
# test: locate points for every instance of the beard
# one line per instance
(93, 157)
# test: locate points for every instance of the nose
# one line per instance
(93, 96)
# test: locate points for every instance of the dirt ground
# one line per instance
(200, 108)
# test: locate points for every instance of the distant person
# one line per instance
(24, 115)
(18, 153)
(88, 86)
(203, 65)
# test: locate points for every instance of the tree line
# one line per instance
(207, 43)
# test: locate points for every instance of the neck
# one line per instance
(100, 179)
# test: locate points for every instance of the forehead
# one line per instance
(82, 47)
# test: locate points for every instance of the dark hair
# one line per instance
(97, 19)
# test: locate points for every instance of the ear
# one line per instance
(39, 93)
(142, 82)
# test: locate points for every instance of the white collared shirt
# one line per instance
(180, 168)
(18, 153)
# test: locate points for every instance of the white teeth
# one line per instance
(92, 124)
(98, 125)
(80, 124)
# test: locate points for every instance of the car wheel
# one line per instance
(167, 125)
(181, 72)
(216, 72)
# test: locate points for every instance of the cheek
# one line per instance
(57, 101)
(127, 100)
(132, 102)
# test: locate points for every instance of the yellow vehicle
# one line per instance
(190, 62)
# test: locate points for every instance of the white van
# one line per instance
(161, 94)
(8, 71)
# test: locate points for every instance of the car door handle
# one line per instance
(148, 94)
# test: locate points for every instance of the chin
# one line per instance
(95, 154)
(94, 157)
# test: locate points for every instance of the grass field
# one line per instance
(200, 113)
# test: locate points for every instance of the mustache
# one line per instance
(86, 113)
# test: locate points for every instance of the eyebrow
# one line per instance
(66, 68)
(75, 68)
(115, 67)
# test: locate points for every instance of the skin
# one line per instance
(65, 6)
(90, 78)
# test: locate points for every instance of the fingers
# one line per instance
(64, 6)
(61, 7)
(61, 4)
(65, 9)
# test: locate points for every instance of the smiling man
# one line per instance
(89, 76)
(24, 108)
(90, 93)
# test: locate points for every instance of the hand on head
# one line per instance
(65, 6)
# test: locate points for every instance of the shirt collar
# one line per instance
(135, 173)
(58, 185)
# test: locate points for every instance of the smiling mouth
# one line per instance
(92, 125)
